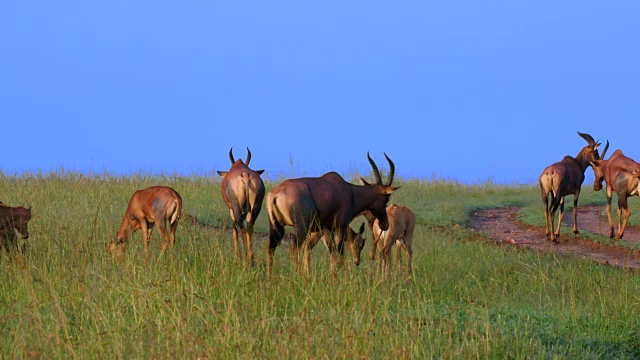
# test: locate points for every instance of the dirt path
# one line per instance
(502, 225)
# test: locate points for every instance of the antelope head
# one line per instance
(355, 243)
(379, 205)
(23, 220)
(233, 162)
(590, 152)
(598, 173)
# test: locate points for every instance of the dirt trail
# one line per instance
(502, 224)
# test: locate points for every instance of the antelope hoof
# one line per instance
(619, 237)
(576, 232)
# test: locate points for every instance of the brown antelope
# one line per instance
(354, 240)
(622, 175)
(153, 205)
(565, 178)
(402, 222)
(12, 219)
(243, 192)
(326, 203)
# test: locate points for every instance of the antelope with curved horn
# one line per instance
(327, 204)
(565, 178)
(622, 175)
(243, 192)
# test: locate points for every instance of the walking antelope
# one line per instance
(565, 178)
(153, 205)
(326, 203)
(243, 192)
(622, 175)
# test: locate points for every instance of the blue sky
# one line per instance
(464, 90)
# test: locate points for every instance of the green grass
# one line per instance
(468, 299)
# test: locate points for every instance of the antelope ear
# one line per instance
(361, 231)
(259, 171)
(222, 173)
(363, 181)
(390, 189)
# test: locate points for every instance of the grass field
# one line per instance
(65, 298)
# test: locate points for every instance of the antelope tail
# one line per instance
(275, 214)
(175, 212)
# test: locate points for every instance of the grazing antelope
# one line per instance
(355, 241)
(153, 205)
(243, 192)
(402, 222)
(12, 219)
(565, 178)
(622, 175)
(326, 203)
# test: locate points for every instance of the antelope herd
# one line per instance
(323, 208)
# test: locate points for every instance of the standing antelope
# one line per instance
(565, 178)
(402, 222)
(243, 192)
(326, 203)
(622, 175)
(355, 241)
(153, 205)
(12, 219)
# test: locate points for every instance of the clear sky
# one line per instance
(461, 90)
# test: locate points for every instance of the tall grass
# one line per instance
(65, 298)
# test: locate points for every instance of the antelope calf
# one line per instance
(243, 192)
(402, 222)
(622, 175)
(12, 219)
(565, 178)
(354, 240)
(154, 205)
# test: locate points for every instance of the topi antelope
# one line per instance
(12, 219)
(326, 203)
(153, 205)
(622, 175)
(243, 192)
(565, 178)
(402, 222)
(354, 240)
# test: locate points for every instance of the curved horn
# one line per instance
(248, 156)
(588, 138)
(231, 155)
(376, 172)
(606, 147)
(392, 169)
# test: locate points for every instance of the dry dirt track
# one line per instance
(502, 224)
